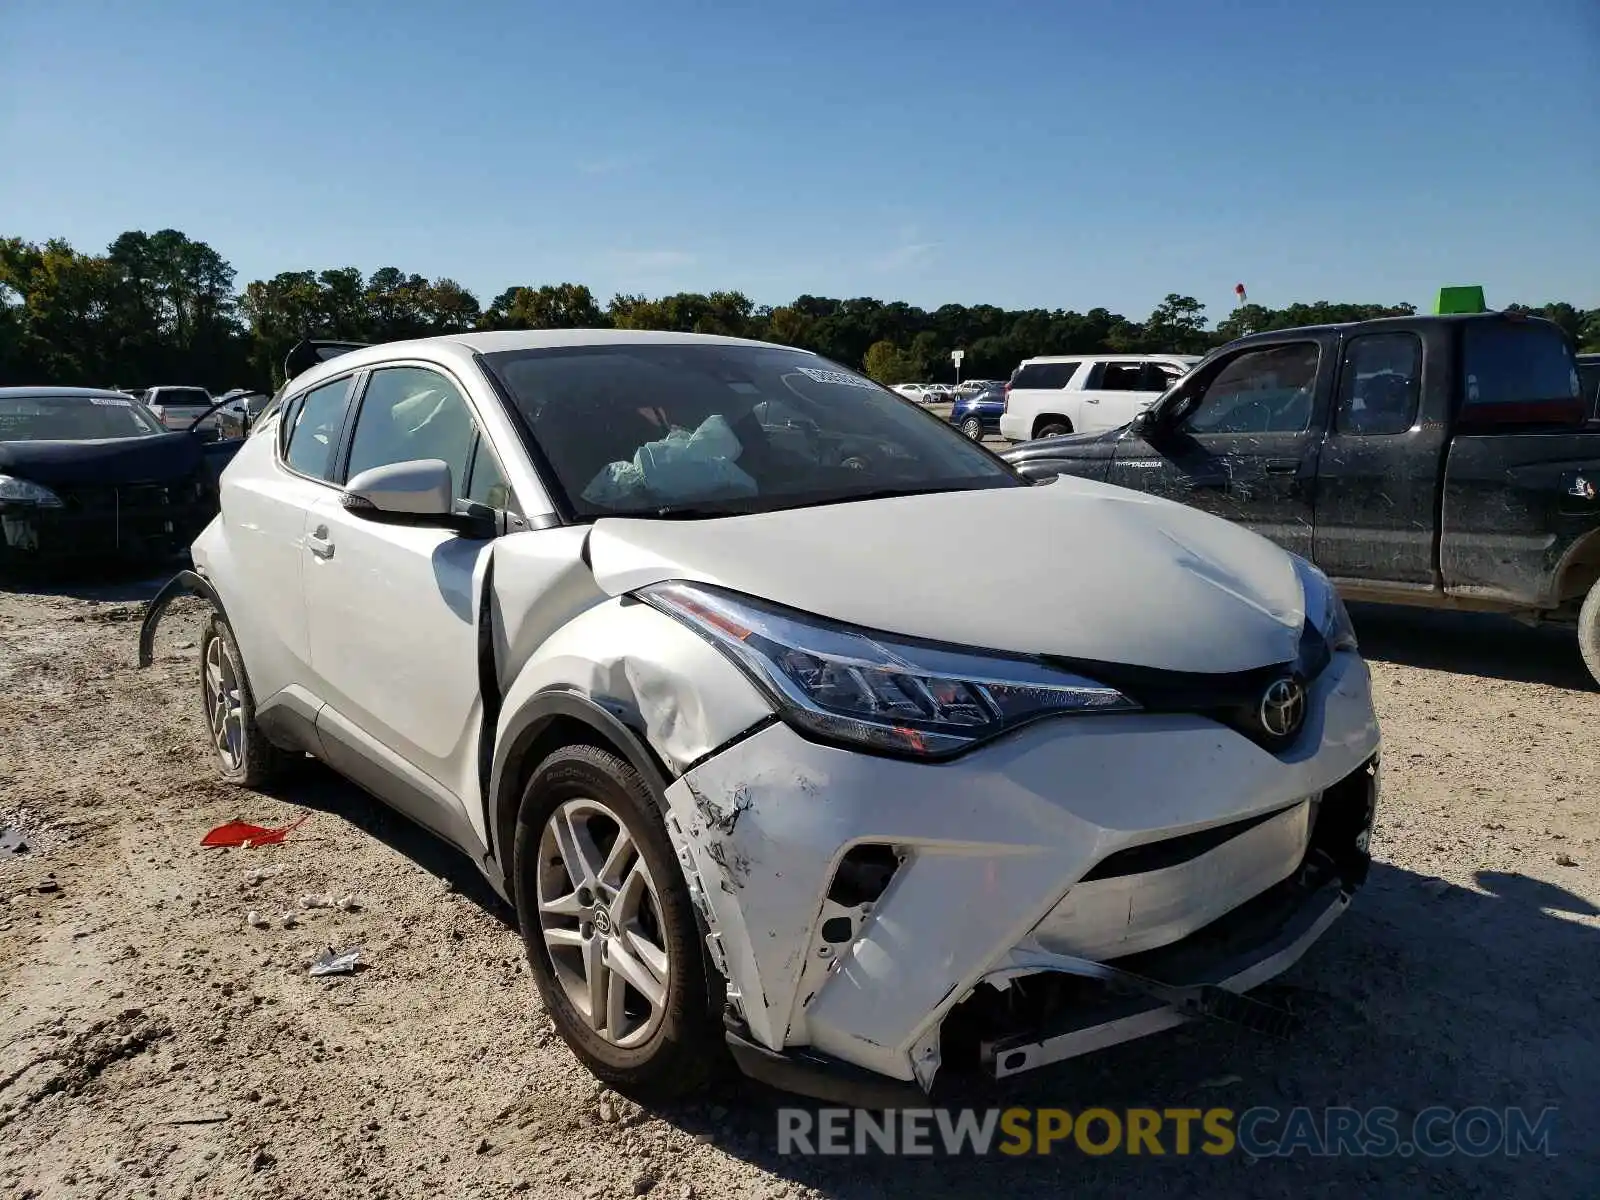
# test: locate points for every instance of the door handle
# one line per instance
(1283, 466)
(319, 543)
(1091, 399)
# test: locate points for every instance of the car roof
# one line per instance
(459, 347)
(1135, 357)
(62, 393)
(1403, 322)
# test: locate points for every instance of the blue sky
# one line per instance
(1059, 154)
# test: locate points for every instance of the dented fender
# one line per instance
(673, 694)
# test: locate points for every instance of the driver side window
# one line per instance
(409, 413)
(1259, 391)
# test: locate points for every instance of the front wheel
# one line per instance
(1589, 632)
(610, 931)
(973, 428)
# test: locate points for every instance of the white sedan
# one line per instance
(654, 628)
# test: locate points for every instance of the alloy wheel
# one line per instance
(224, 703)
(600, 917)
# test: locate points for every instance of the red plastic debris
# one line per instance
(242, 833)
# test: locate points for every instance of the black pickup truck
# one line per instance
(1442, 461)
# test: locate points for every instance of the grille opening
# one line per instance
(863, 874)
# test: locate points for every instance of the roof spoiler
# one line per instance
(309, 353)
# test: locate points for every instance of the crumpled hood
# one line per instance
(153, 459)
(1072, 568)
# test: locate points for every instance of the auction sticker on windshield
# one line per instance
(110, 402)
(843, 378)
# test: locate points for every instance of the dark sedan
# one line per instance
(978, 415)
(91, 475)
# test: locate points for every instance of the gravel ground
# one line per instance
(152, 1043)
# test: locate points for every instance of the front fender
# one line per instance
(641, 680)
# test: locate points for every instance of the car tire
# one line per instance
(584, 789)
(244, 755)
(1052, 429)
(973, 428)
(1589, 632)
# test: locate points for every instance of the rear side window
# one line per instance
(1518, 371)
(1119, 377)
(1589, 384)
(1380, 384)
(313, 431)
(1052, 376)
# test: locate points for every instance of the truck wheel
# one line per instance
(1589, 632)
(244, 756)
(1052, 429)
(610, 931)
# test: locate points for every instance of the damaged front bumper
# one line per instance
(1076, 885)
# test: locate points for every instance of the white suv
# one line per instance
(1085, 393)
(652, 627)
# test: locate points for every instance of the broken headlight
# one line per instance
(1324, 607)
(844, 684)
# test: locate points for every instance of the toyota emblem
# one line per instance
(1283, 707)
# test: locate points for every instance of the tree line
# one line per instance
(163, 308)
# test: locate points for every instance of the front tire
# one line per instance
(973, 428)
(1589, 632)
(244, 755)
(610, 931)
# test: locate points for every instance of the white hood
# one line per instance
(1074, 568)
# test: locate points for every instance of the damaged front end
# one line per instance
(883, 924)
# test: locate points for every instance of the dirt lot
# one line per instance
(153, 1043)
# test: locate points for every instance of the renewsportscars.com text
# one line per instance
(1261, 1132)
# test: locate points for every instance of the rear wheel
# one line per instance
(1052, 428)
(1589, 632)
(610, 931)
(973, 428)
(244, 756)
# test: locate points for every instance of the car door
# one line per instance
(1378, 474)
(1115, 392)
(267, 505)
(394, 607)
(1241, 442)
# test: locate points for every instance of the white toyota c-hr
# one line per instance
(707, 653)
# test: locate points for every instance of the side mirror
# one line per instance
(420, 491)
(1144, 423)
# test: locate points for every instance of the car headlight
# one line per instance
(1324, 607)
(845, 684)
(23, 491)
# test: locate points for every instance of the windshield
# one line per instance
(73, 418)
(694, 429)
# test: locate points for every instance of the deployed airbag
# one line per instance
(680, 466)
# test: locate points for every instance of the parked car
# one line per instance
(1082, 393)
(178, 407)
(686, 690)
(978, 415)
(1442, 461)
(88, 474)
(912, 391)
(238, 410)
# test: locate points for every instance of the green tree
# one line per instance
(886, 363)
